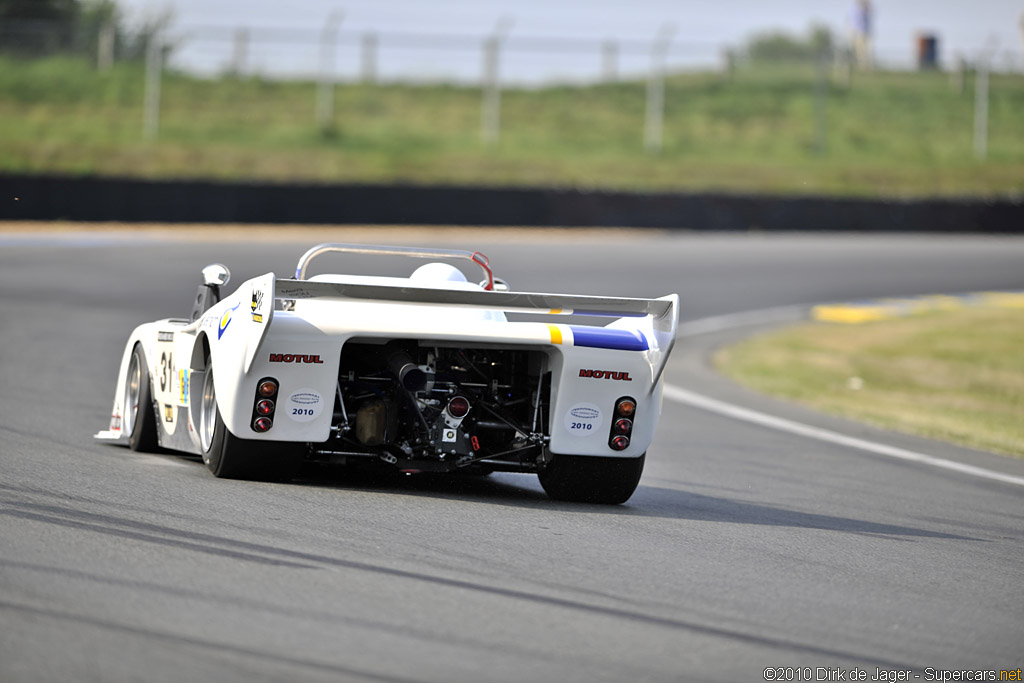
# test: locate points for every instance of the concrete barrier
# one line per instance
(28, 197)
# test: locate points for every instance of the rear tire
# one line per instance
(229, 457)
(592, 479)
(139, 420)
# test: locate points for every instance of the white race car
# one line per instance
(421, 374)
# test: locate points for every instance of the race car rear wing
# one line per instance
(494, 295)
(510, 302)
(661, 311)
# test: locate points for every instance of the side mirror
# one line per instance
(216, 275)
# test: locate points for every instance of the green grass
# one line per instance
(956, 376)
(889, 134)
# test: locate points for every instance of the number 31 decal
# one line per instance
(166, 370)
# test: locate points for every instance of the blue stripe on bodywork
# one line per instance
(605, 338)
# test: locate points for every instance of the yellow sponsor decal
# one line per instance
(225, 320)
(183, 378)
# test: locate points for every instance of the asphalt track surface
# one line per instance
(744, 547)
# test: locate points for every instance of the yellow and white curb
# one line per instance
(888, 309)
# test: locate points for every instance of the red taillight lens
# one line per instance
(265, 407)
(262, 424)
(625, 407)
(622, 424)
(268, 387)
(458, 407)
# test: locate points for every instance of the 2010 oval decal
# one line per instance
(304, 405)
(583, 419)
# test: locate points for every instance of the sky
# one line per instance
(702, 28)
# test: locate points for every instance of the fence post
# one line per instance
(729, 63)
(490, 119)
(821, 105)
(151, 102)
(241, 52)
(325, 85)
(1020, 24)
(958, 75)
(654, 121)
(981, 110)
(609, 61)
(369, 70)
(843, 66)
(105, 46)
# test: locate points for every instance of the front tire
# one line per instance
(592, 479)
(229, 457)
(139, 421)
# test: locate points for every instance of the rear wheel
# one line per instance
(138, 419)
(592, 479)
(229, 457)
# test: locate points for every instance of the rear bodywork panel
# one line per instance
(371, 367)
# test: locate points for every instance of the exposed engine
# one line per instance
(430, 407)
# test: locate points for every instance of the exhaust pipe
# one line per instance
(407, 372)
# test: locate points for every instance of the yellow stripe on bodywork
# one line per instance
(556, 334)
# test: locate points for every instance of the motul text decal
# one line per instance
(294, 358)
(606, 374)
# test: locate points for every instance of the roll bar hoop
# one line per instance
(414, 252)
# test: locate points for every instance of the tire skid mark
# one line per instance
(332, 619)
(217, 647)
(145, 537)
(107, 524)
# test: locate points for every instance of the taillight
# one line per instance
(622, 423)
(625, 407)
(620, 443)
(267, 388)
(458, 407)
(264, 404)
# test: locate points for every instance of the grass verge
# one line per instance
(885, 133)
(956, 376)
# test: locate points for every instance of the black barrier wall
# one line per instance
(132, 200)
